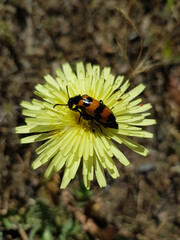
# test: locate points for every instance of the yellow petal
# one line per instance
(99, 171)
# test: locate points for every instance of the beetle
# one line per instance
(91, 109)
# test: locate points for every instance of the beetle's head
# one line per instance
(74, 101)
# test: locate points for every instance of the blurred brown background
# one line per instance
(36, 37)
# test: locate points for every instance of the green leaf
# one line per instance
(7, 223)
(76, 229)
(68, 226)
(47, 235)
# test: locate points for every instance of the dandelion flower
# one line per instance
(70, 141)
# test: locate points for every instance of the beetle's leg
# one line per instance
(92, 122)
(76, 109)
(99, 128)
(79, 116)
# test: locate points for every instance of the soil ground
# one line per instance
(36, 37)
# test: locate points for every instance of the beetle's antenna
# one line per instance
(67, 91)
(60, 105)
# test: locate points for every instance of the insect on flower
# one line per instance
(70, 138)
(91, 109)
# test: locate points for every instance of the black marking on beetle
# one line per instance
(98, 111)
(87, 101)
(111, 118)
(86, 104)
